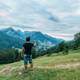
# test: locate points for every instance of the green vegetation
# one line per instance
(66, 46)
(54, 59)
(45, 74)
(55, 71)
(61, 62)
(9, 55)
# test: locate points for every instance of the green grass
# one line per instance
(58, 59)
(45, 74)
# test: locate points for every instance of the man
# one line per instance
(27, 48)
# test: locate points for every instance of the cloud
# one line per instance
(49, 16)
(5, 15)
(63, 36)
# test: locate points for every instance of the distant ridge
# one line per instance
(10, 37)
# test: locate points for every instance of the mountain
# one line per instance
(7, 41)
(13, 33)
(38, 36)
(10, 37)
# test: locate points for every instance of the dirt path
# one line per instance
(61, 66)
(8, 69)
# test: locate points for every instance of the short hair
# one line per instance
(27, 38)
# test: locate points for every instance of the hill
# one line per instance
(7, 41)
(54, 67)
(10, 37)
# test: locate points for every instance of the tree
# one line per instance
(66, 48)
(77, 40)
(9, 56)
(63, 46)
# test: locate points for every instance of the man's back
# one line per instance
(27, 48)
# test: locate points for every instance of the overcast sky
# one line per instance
(60, 18)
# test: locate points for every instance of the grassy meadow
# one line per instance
(53, 67)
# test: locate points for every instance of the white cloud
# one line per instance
(49, 16)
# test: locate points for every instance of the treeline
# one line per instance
(9, 56)
(14, 54)
(65, 46)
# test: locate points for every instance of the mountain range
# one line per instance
(10, 38)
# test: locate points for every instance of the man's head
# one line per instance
(28, 39)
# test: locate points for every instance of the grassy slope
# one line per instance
(11, 71)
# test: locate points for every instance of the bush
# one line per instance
(9, 55)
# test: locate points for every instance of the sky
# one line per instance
(58, 18)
